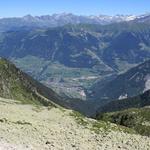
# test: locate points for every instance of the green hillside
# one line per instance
(137, 119)
(14, 84)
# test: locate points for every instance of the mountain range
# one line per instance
(73, 57)
(62, 19)
(82, 61)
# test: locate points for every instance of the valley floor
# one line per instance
(26, 127)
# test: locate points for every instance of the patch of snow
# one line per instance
(123, 96)
(85, 78)
(147, 83)
(82, 93)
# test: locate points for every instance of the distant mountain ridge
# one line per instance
(61, 19)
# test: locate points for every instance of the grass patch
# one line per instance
(99, 126)
(22, 123)
(80, 119)
(106, 126)
(130, 119)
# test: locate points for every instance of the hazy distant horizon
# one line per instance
(72, 14)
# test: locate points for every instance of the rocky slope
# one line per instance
(28, 127)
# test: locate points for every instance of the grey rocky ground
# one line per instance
(26, 127)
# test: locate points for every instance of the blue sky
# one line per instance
(9, 8)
